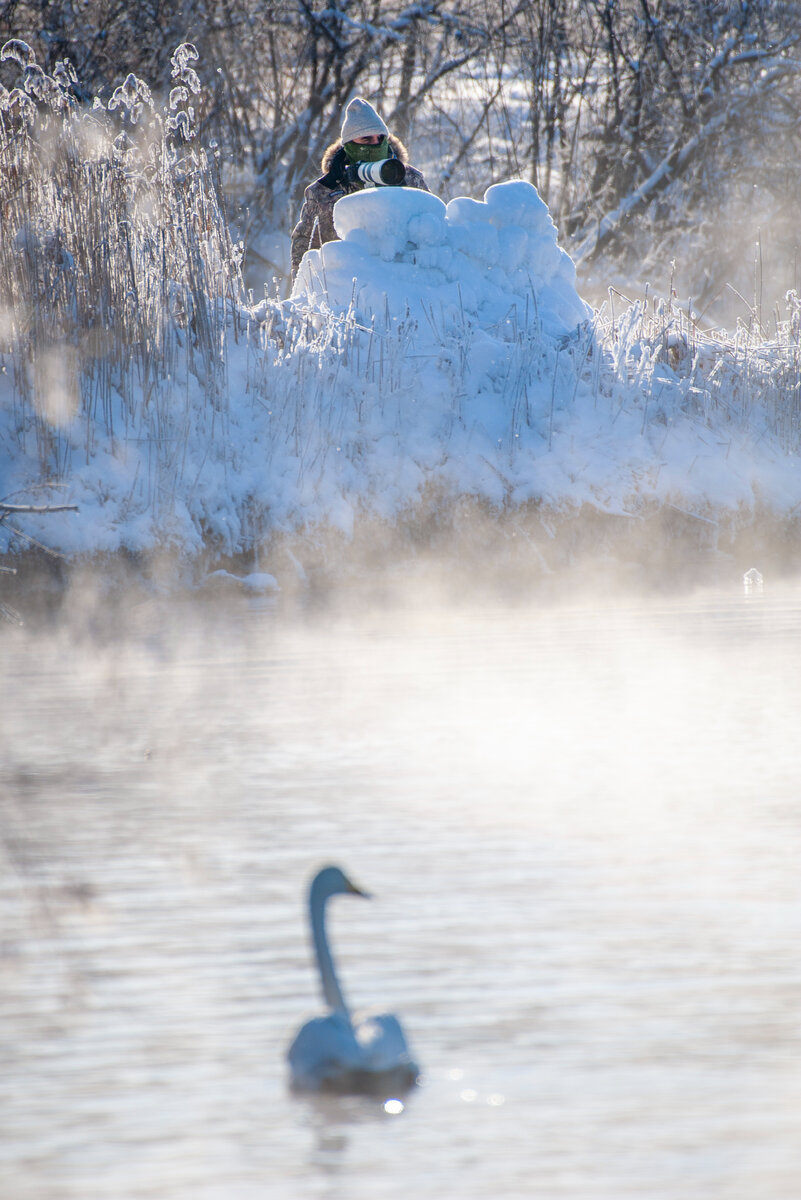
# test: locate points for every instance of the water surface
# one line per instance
(582, 829)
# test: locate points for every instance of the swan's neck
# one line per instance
(328, 976)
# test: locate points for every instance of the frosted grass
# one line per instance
(117, 273)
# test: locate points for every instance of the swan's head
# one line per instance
(332, 881)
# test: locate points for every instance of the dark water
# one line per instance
(582, 829)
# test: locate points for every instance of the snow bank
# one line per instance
(435, 350)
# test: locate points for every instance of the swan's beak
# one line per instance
(357, 891)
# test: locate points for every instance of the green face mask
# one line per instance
(357, 153)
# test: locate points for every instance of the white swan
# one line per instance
(337, 1053)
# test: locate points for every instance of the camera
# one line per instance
(388, 172)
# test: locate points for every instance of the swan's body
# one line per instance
(337, 1052)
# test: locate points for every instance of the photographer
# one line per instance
(365, 155)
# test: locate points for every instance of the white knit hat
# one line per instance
(361, 120)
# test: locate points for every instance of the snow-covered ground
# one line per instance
(436, 350)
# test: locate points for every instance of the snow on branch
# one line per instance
(16, 509)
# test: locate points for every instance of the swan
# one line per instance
(337, 1053)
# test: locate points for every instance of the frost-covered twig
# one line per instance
(6, 509)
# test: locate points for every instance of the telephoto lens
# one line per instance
(389, 172)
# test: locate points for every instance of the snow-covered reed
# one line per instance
(746, 380)
(117, 270)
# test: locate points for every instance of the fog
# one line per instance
(579, 820)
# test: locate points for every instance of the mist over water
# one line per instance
(581, 827)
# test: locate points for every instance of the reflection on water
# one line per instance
(582, 832)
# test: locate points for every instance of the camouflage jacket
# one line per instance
(316, 222)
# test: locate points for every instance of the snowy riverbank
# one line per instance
(435, 379)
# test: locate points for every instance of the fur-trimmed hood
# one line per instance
(398, 149)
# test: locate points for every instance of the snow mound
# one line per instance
(468, 265)
(446, 326)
